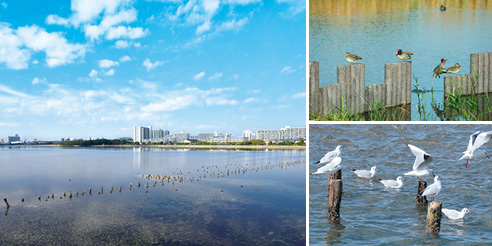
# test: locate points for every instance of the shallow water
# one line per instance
(211, 209)
(376, 29)
(373, 215)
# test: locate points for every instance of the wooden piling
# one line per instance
(5, 200)
(434, 216)
(335, 196)
(421, 200)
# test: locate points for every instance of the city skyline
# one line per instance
(78, 69)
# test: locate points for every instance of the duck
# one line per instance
(403, 55)
(439, 69)
(352, 57)
(454, 69)
(443, 8)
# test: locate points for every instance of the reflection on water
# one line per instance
(377, 216)
(201, 198)
(376, 29)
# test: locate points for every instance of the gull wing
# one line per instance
(473, 137)
(422, 159)
(481, 139)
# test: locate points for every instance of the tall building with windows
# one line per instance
(141, 134)
(248, 135)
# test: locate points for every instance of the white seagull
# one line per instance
(477, 139)
(433, 189)
(331, 155)
(330, 168)
(389, 183)
(364, 173)
(421, 164)
(454, 214)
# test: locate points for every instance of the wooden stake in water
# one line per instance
(5, 200)
(421, 200)
(335, 196)
(434, 216)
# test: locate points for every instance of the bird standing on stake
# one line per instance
(439, 69)
(433, 189)
(477, 139)
(330, 168)
(331, 155)
(352, 57)
(403, 55)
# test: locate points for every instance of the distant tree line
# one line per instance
(86, 143)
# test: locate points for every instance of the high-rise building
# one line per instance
(141, 134)
(248, 135)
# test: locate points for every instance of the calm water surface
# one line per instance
(376, 29)
(372, 215)
(268, 209)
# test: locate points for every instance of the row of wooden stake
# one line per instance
(434, 214)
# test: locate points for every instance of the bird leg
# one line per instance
(467, 163)
(421, 180)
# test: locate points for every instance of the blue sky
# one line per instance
(99, 67)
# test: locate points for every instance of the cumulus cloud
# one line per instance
(37, 80)
(105, 63)
(151, 65)
(199, 75)
(110, 72)
(215, 76)
(116, 15)
(125, 59)
(16, 47)
(93, 73)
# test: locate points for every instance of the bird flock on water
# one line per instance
(332, 162)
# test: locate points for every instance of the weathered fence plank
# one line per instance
(467, 84)
(351, 90)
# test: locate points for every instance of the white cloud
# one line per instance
(254, 91)
(250, 100)
(235, 76)
(115, 15)
(93, 73)
(110, 72)
(121, 44)
(37, 80)
(105, 63)
(220, 101)
(232, 25)
(58, 50)
(149, 65)
(125, 59)
(215, 76)
(199, 75)
(35, 62)
(299, 95)
(287, 70)
(295, 7)
(136, 44)
(11, 52)
(4, 5)
(125, 32)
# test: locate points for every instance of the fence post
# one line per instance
(335, 196)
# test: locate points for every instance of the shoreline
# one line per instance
(254, 147)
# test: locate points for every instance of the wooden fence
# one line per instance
(350, 89)
(467, 84)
